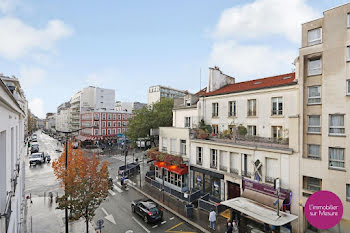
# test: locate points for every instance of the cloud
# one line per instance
(103, 78)
(251, 61)
(36, 106)
(19, 39)
(265, 18)
(30, 76)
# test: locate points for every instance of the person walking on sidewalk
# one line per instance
(212, 219)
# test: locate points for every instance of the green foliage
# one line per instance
(242, 130)
(207, 128)
(145, 119)
(226, 134)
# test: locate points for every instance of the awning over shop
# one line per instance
(259, 211)
(80, 138)
(182, 170)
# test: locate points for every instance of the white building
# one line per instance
(50, 122)
(156, 93)
(224, 163)
(89, 99)
(63, 117)
(12, 150)
(128, 106)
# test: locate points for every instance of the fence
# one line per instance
(204, 203)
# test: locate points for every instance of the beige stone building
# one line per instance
(324, 77)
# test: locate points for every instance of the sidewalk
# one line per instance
(200, 217)
(42, 217)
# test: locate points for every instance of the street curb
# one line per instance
(171, 210)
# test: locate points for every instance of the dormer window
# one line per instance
(187, 103)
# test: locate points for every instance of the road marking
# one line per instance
(155, 226)
(171, 218)
(111, 192)
(170, 230)
(117, 188)
(129, 231)
(104, 211)
(148, 231)
(163, 222)
(109, 217)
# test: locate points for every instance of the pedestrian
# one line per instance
(212, 219)
(229, 227)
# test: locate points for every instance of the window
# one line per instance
(164, 144)
(124, 130)
(348, 87)
(187, 103)
(252, 107)
(312, 184)
(96, 132)
(118, 130)
(104, 116)
(199, 155)
(336, 158)
(314, 66)
(213, 158)
(114, 117)
(277, 106)
(314, 124)
(245, 171)
(215, 129)
(348, 192)
(124, 116)
(277, 132)
(119, 117)
(271, 170)
(215, 110)
(336, 124)
(113, 131)
(96, 117)
(108, 132)
(314, 36)
(183, 147)
(348, 53)
(103, 124)
(187, 122)
(114, 124)
(103, 132)
(118, 124)
(108, 124)
(251, 130)
(348, 20)
(109, 116)
(313, 151)
(314, 95)
(172, 145)
(232, 108)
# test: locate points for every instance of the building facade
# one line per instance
(156, 93)
(63, 117)
(109, 123)
(12, 124)
(324, 72)
(130, 107)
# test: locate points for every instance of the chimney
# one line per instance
(217, 79)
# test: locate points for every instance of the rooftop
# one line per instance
(269, 82)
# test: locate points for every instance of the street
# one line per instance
(115, 210)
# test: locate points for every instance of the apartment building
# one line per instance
(50, 122)
(108, 123)
(226, 167)
(63, 117)
(89, 99)
(324, 77)
(156, 93)
(130, 107)
(12, 118)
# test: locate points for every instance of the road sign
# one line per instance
(100, 223)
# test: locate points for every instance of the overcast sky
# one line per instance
(57, 47)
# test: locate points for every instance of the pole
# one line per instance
(140, 176)
(278, 202)
(66, 209)
(163, 184)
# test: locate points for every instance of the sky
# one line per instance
(58, 47)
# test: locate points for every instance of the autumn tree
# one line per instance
(85, 182)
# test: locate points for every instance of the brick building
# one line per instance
(109, 123)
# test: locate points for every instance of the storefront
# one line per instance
(175, 177)
(208, 182)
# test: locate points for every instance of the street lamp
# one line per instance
(66, 163)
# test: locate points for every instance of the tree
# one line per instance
(161, 115)
(85, 182)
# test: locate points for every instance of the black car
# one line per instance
(148, 210)
(34, 148)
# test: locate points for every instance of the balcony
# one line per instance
(247, 174)
(234, 171)
(223, 168)
(269, 179)
(213, 165)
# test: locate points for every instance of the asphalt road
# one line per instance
(115, 210)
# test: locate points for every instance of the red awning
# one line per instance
(172, 168)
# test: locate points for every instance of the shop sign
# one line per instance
(264, 188)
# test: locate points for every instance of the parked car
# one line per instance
(34, 148)
(34, 139)
(36, 158)
(148, 210)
